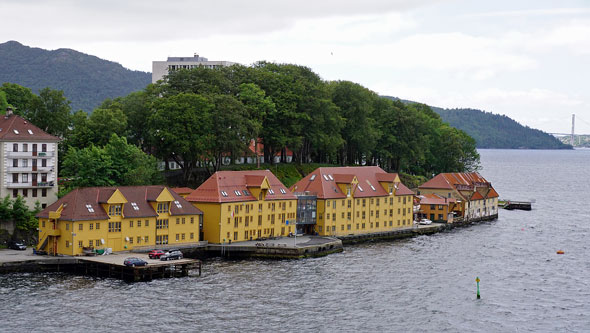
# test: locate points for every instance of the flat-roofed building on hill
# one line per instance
(28, 160)
(244, 205)
(162, 68)
(357, 200)
(475, 194)
(120, 218)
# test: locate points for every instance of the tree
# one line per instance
(181, 130)
(50, 112)
(90, 166)
(19, 97)
(105, 121)
(131, 166)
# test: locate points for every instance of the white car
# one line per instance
(425, 221)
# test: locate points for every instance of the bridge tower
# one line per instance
(573, 124)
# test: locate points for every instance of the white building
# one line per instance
(28, 161)
(161, 68)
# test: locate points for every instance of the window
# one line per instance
(114, 227)
(91, 226)
(15, 163)
(25, 147)
(25, 177)
(43, 163)
(44, 147)
(177, 237)
(130, 240)
(183, 220)
(15, 177)
(34, 193)
(192, 235)
(97, 225)
(162, 207)
(43, 175)
(131, 224)
(178, 220)
(146, 239)
(67, 243)
(90, 243)
(193, 220)
(177, 203)
(162, 224)
(115, 210)
(147, 223)
(235, 235)
(14, 193)
(134, 206)
(15, 147)
(44, 192)
(89, 208)
(182, 237)
(138, 239)
(139, 223)
(80, 226)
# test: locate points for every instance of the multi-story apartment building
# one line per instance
(162, 68)
(244, 205)
(28, 161)
(120, 218)
(476, 196)
(357, 200)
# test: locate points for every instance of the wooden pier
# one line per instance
(110, 266)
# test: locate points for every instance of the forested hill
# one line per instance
(86, 80)
(496, 131)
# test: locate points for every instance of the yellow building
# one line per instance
(473, 193)
(358, 200)
(120, 218)
(244, 205)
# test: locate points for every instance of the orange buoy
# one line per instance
(560, 252)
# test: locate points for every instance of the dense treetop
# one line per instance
(85, 80)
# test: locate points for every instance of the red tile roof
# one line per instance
(75, 203)
(344, 179)
(492, 193)
(476, 196)
(260, 147)
(16, 128)
(182, 190)
(433, 199)
(323, 181)
(235, 184)
(460, 181)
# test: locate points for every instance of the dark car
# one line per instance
(17, 246)
(134, 262)
(156, 254)
(172, 254)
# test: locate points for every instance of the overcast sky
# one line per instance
(529, 60)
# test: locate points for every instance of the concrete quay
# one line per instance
(278, 248)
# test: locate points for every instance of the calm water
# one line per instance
(423, 284)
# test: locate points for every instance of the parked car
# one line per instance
(156, 254)
(132, 261)
(425, 221)
(172, 254)
(17, 246)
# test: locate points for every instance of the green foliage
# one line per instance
(50, 112)
(3, 102)
(117, 163)
(16, 210)
(20, 98)
(498, 131)
(86, 80)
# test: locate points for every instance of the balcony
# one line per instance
(30, 185)
(30, 168)
(47, 154)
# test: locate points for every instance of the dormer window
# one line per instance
(162, 207)
(115, 210)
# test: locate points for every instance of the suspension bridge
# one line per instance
(573, 135)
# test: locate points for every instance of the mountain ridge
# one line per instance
(86, 80)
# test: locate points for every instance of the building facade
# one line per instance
(162, 68)
(28, 161)
(244, 205)
(120, 218)
(437, 208)
(475, 195)
(358, 200)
